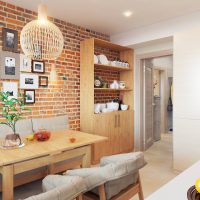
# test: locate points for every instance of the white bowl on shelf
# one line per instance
(112, 105)
(124, 107)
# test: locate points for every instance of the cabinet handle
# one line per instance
(115, 121)
(118, 120)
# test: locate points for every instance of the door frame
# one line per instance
(138, 95)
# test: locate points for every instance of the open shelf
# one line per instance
(114, 112)
(106, 44)
(110, 89)
(110, 67)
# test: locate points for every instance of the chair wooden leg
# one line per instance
(140, 193)
(80, 197)
(102, 193)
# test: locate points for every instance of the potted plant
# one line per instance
(12, 110)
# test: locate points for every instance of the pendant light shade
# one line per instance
(40, 39)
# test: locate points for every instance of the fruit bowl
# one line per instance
(42, 135)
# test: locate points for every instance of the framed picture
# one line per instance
(28, 81)
(29, 96)
(9, 65)
(38, 66)
(10, 40)
(43, 81)
(12, 88)
(25, 63)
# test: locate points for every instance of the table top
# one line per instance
(177, 188)
(58, 142)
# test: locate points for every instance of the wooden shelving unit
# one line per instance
(118, 125)
(110, 67)
(109, 89)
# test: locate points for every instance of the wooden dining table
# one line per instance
(41, 154)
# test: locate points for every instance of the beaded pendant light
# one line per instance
(40, 39)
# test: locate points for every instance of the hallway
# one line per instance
(159, 170)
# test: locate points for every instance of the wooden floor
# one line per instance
(159, 158)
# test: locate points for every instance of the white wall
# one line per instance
(186, 98)
(164, 63)
(159, 30)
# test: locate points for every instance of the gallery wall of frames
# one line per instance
(52, 87)
(16, 66)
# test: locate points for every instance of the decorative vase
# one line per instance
(12, 141)
(42, 135)
(116, 84)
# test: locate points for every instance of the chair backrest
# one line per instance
(51, 123)
(28, 126)
(96, 176)
(23, 127)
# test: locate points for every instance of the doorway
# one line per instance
(155, 116)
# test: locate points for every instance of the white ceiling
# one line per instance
(106, 15)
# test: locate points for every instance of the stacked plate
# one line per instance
(103, 59)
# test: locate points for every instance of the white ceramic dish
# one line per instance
(102, 106)
(97, 108)
(105, 110)
(124, 107)
(103, 59)
(112, 105)
(96, 59)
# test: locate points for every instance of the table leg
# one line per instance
(86, 162)
(7, 182)
(51, 168)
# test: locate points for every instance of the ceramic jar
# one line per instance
(122, 84)
(114, 85)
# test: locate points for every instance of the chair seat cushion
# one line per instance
(51, 123)
(64, 192)
(52, 181)
(66, 187)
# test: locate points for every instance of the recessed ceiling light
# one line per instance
(127, 13)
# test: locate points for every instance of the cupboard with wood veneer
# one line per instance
(118, 126)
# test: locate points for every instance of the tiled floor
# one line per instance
(154, 175)
(159, 170)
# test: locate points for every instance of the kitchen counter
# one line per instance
(177, 188)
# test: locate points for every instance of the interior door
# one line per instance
(147, 104)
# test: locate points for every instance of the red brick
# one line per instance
(64, 96)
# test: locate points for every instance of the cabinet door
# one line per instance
(115, 135)
(126, 131)
(104, 125)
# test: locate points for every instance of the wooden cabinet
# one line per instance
(118, 125)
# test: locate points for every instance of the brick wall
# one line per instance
(62, 97)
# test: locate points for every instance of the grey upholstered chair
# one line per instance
(117, 178)
(67, 188)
